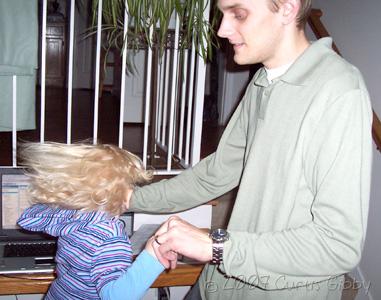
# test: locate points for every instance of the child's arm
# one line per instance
(137, 279)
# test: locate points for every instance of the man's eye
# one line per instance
(239, 15)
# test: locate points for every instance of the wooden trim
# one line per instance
(320, 31)
(183, 275)
(376, 131)
(25, 284)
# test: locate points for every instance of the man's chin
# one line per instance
(241, 61)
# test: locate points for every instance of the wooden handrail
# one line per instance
(376, 131)
(320, 31)
(318, 28)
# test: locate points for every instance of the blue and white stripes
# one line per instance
(93, 249)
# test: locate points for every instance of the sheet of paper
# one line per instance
(140, 237)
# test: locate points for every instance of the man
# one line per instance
(299, 148)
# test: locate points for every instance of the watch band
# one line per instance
(219, 237)
(217, 253)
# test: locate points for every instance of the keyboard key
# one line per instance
(29, 249)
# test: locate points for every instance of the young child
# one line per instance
(78, 192)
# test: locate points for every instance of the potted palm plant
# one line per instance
(145, 15)
(150, 25)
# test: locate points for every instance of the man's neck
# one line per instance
(292, 46)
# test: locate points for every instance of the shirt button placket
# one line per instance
(264, 102)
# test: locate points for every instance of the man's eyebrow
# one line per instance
(228, 7)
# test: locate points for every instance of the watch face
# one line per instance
(219, 235)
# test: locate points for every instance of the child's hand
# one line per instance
(149, 246)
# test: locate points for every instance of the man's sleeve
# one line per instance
(213, 176)
(135, 281)
(337, 170)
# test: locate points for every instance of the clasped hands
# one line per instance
(176, 236)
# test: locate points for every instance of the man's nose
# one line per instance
(225, 30)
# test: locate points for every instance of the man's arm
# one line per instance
(210, 178)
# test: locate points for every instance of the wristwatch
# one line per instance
(219, 237)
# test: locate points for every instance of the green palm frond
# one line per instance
(155, 14)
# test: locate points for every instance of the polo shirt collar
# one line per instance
(300, 71)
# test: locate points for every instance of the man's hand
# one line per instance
(152, 248)
(178, 236)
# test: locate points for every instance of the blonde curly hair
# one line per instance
(82, 176)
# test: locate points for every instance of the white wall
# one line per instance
(354, 26)
(134, 99)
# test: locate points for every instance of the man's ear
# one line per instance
(289, 10)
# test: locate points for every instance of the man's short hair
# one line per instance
(303, 14)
